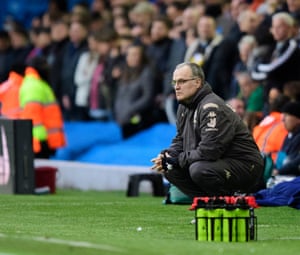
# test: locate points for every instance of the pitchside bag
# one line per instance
(16, 157)
(176, 196)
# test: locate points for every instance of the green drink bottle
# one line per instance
(214, 214)
(201, 221)
(242, 218)
(229, 221)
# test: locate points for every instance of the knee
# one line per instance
(205, 176)
(201, 173)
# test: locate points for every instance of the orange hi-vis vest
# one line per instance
(269, 134)
(9, 96)
(39, 104)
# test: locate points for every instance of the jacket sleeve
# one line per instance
(292, 167)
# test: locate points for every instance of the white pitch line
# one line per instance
(78, 244)
(67, 242)
(280, 238)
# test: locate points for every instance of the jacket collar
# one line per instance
(200, 94)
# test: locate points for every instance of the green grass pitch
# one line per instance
(93, 222)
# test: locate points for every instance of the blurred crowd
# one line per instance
(113, 60)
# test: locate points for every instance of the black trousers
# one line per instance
(45, 152)
(216, 178)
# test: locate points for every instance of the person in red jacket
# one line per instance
(9, 93)
(270, 133)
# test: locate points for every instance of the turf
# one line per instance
(91, 222)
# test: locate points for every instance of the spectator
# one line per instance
(102, 8)
(244, 62)
(57, 10)
(165, 53)
(5, 55)
(75, 47)
(238, 105)
(42, 43)
(20, 42)
(158, 52)
(270, 133)
(140, 18)
(212, 153)
(293, 7)
(60, 39)
(83, 75)
(174, 11)
(269, 7)
(80, 12)
(204, 47)
(123, 43)
(105, 76)
(251, 92)
(251, 119)
(176, 56)
(288, 160)
(9, 93)
(135, 93)
(263, 35)
(96, 23)
(121, 25)
(282, 63)
(189, 19)
(227, 54)
(294, 10)
(225, 20)
(292, 90)
(39, 104)
(273, 94)
(236, 8)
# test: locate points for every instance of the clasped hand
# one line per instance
(157, 163)
(164, 162)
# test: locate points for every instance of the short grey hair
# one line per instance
(285, 17)
(247, 39)
(197, 71)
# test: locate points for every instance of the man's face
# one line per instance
(59, 31)
(238, 106)
(293, 5)
(159, 31)
(291, 122)
(134, 56)
(248, 21)
(206, 28)
(280, 30)
(185, 84)
(77, 32)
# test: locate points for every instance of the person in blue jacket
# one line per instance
(288, 161)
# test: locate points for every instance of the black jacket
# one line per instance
(291, 147)
(283, 69)
(208, 130)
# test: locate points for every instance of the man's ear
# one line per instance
(199, 83)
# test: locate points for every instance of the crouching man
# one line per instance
(213, 153)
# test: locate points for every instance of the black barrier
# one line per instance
(16, 157)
